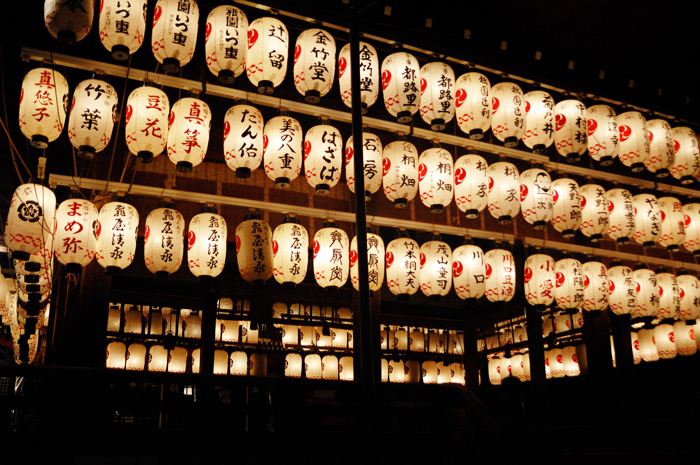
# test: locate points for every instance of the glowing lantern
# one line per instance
(221, 362)
(313, 366)
(163, 241)
(566, 206)
(323, 157)
(372, 156)
(622, 295)
(282, 150)
(661, 151)
(42, 106)
(435, 268)
(206, 244)
(634, 140)
(331, 256)
(539, 279)
(346, 369)
(594, 212)
(258, 364)
(75, 241)
(568, 291)
(684, 337)
(595, 286)
(556, 363)
(401, 86)
(136, 357)
(194, 360)
(536, 197)
(603, 134)
(243, 149)
(504, 371)
(473, 104)
(571, 365)
(471, 184)
(445, 372)
(268, 49)
(254, 249)
(686, 162)
(31, 220)
(174, 36)
(669, 296)
(621, 215)
(329, 367)
(292, 365)
(413, 371)
(117, 228)
(400, 172)
(672, 223)
(314, 64)
(570, 129)
(647, 293)
(402, 263)
(647, 225)
(520, 334)
(115, 355)
(133, 320)
(92, 116)
(157, 358)
(500, 275)
(290, 244)
(238, 363)
(188, 133)
(636, 351)
(494, 371)
(369, 82)
(468, 271)
(504, 184)
(226, 43)
(516, 367)
(437, 106)
(69, 22)
(122, 26)
(147, 112)
(539, 121)
(435, 179)
(665, 341)
(375, 262)
(508, 113)
(647, 345)
(689, 292)
(691, 217)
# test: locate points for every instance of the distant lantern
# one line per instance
(647, 219)
(401, 86)
(76, 227)
(436, 179)
(686, 162)
(115, 355)
(329, 365)
(206, 244)
(331, 251)
(508, 113)
(238, 363)
(136, 357)
(402, 266)
(292, 365)
(375, 262)
(43, 103)
(689, 292)
(122, 26)
(174, 35)
(691, 217)
(661, 151)
(283, 150)
(163, 241)
(323, 157)
(494, 367)
(621, 215)
(665, 341)
(672, 223)
(516, 367)
(504, 187)
(226, 43)
(669, 296)
(400, 172)
(369, 75)
(437, 89)
(636, 351)
(556, 363)
(157, 358)
(147, 113)
(290, 250)
(473, 104)
(346, 369)
(622, 295)
(536, 197)
(69, 22)
(570, 130)
(539, 278)
(258, 364)
(31, 220)
(243, 140)
(254, 250)
(92, 116)
(372, 156)
(568, 289)
(314, 64)
(471, 184)
(268, 50)
(571, 365)
(634, 140)
(468, 271)
(500, 275)
(188, 133)
(647, 293)
(684, 337)
(647, 345)
(595, 286)
(595, 217)
(603, 134)
(566, 206)
(539, 121)
(116, 235)
(435, 268)
(313, 368)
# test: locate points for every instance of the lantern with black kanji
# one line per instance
(122, 26)
(661, 151)
(603, 134)
(314, 64)
(147, 113)
(375, 262)
(647, 219)
(174, 36)
(76, 227)
(435, 268)
(435, 178)
(570, 130)
(331, 251)
(92, 116)
(539, 121)
(499, 265)
(669, 296)
(323, 157)
(206, 244)
(243, 141)
(691, 218)
(402, 266)
(566, 206)
(401, 86)
(471, 184)
(43, 103)
(226, 43)
(282, 150)
(503, 194)
(437, 101)
(468, 271)
(594, 212)
(69, 22)
(473, 104)
(400, 172)
(622, 294)
(508, 113)
(163, 240)
(268, 50)
(686, 161)
(689, 292)
(647, 293)
(595, 286)
(620, 215)
(536, 197)
(254, 249)
(290, 252)
(369, 75)
(539, 279)
(672, 223)
(188, 133)
(568, 289)
(634, 140)
(117, 229)
(372, 158)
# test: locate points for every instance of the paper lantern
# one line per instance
(556, 363)
(221, 362)
(672, 223)
(468, 271)
(400, 86)
(566, 206)
(647, 293)
(436, 178)
(147, 113)
(504, 184)
(346, 369)
(595, 218)
(177, 360)
(412, 371)
(435, 268)
(76, 227)
(669, 296)
(437, 105)
(508, 113)
(282, 150)
(290, 246)
(691, 218)
(375, 262)
(539, 278)
(473, 104)
(471, 184)
(226, 43)
(539, 121)
(570, 129)
(69, 22)
(494, 368)
(188, 133)
(402, 260)
(622, 295)
(369, 78)
(292, 365)
(647, 215)
(621, 215)
(136, 357)
(206, 244)
(163, 241)
(314, 64)
(323, 157)
(684, 337)
(115, 355)
(372, 156)
(238, 363)
(689, 292)
(516, 367)
(157, 358)
(92, 116)
(665, 341)
(526, 367)
(636, 351)
(603, 134)
(400, 172)
(445, 372)
(520, 334)
(31, 220)
(329, 367)
(116, 235)
(258, 364)
(43, 104)
(661, 150)
(634, 140)
(243, 148)
(174, 36)
(313, 366)
(647, 345)
(133, 320)
(500, 275)
(416, 341)
(536, 197)
(568, 291)
(571, 365)
(686, 161)
(254, 250)
(268, 49)
(595, 286)
(122, 26)
(331, 256)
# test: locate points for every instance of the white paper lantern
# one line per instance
(570, 138)
(471, 184)
(686, 161)
(282, 150)
(292, 365)
(313, 366)
(400, 172)
(437, 101)
(603, 134)
(401, 86)
(268, 50)
(508, 113)
(375, 262)
(595, 219)
(571, 365)
(634, 140)
(31, 220)
(689, 292)
(76, 226)
(136, 357)
(122, 26)
(254, 250)
(516, 367)
(372, 155)
(473, 104)
(691, 217)
(468, 271)
(595, 286)
(647, 215)
(568, 291)
(672, 223)
(290, 245)
(435, 268)
(314, 64)
(402, 261)
(329, 365)
(647, 293)
(436, 178)
(43, 104)
(174, 36)
(500, 275)
(539, 121)
(669, 296)
(115, 355)
(147, 117)
(504, 185)
(323, 157)
(116, 235)
(258, 364)
(238, 363)
(69, 22)
(206, 244)
(539, 278)
(369, 75)
(661, 150)
(536, 197)
(494, 368)
(243, 146)
(331, 256)
(221, 362)
(177, 360)
(665, 341)
(556, 363)
(157, 358)
(566, 206)
(647, 345)
(621, 215)
(346, 369)
(188, 133)
(92, 116)
(684, 337)
(163, 241)
(622, 295)
(226, 43)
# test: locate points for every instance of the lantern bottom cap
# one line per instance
(685, 180)
(323, 189)
(265, 87)
(161, 274)
(184, 167)
(647, 244)
(87, 152)
(171, 65)
(312, 96)
(282, 183)
(74, 268)
(672, 247)
(696, 252)
(24, 256)
(67, 38)
(572, 157)
(33, 297)
(364, 108)
(120, 52)
(368, 196)
(437, 124)
(476, 134)
(226, 77)
(113, 270)
(637, 167)
(32, 288)
(595, 237)
(690, 322)
(539, 224)
(510, 142)
(607, 160)
(39, 141)
(289, 285)
(400, 203)
(623, 240)
(404, 117)
(568, 233)
(205, 278)
(243, 173)
(539, 149)
(662, 173)
(505, 219)
(472, 213)
(437, 208)
(144, 156)
(31, 278)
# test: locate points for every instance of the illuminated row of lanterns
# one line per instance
(559, 362)
(663, 341)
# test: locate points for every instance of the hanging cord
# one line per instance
(119, 123)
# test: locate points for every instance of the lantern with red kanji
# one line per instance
(174, 35)
(468, 271)
(539, 121)
(539, 278)
(689, 292)
(372, 157)
(691, 218)
(117, 228)
(536, 197)
(686, 161)
(647, 293)
(226, 43)
(243, 146)
(435, 178)
(147, 112)
(471, 184)
(566, 206)
(437, 104)
(647, 226)
(508, 113)
(400, 172)
(76, 227)
(661, 151)
(401, 86)
(622, 295)
(92, 116)
(122, 26)
(206, 244)
(595, 218)
(568, 289)
(69, 22)
(163, 240)
(369, 75)
(254, 249)
(314, 64)
(31, 220)
(323, 157)
(499, 266)
(290, 251)
(669, 296)
(282, 150)
(473, 104)
(375, 262)
(503, 193)
(331, 251)
(620, 215)
(570, 130)
(603, 134)
(672, 223)
(402, 266)
(43, 104)
(634, 140)
(435, 268)
(268, 50)
(188, 133)
(595, 286)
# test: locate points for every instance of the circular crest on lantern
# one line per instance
(92, 116)
(400, 172)
(147, 113)
(243, 148)
(603, 135)
(595, 219)
(375, 262)
(314, 64)
(499, 266)
(468, 271)
(254, 250)
(282, 150)
(43, 104)
(226, 43)
(508, 113)
(435, 179)
(323, 157)
(188, 133)
(372, 156)
(331, 255)
(268, 49)
(471, 184)
(402, 266)
(369, 81)
(290, 250)
(570, 130)
(539, 121)
(536, 197)
(539, 278)
(437, 105)
(122, 26)
(117, 229)
(401, 86)
(661, 150)
(163, 241)
(473, 104)
(174, 35)
(206, 244)
(634, 140)
(503, 185)
(435, 268)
